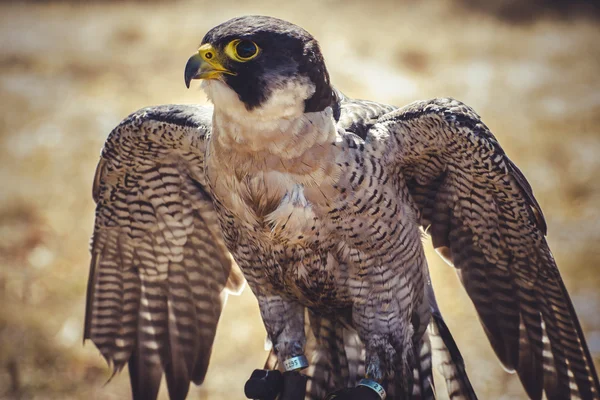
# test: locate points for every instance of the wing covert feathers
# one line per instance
(483, 218)
(159, 269)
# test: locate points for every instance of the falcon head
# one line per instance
(262, 64)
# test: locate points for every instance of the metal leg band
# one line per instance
(374, 386)
(295, 363)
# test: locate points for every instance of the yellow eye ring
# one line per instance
(242, 50)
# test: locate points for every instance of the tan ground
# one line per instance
(69, 73)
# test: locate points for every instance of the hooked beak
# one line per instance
(204, 65)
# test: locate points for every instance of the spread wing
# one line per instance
(160, 271)
(483, 219)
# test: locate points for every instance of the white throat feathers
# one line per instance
(278, 126)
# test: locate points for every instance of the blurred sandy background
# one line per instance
(70, 72)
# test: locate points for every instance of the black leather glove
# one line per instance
(264, 385)
(267, 385)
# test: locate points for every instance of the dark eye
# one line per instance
(246, 50)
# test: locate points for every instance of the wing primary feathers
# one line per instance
(183, 336)
(423, 387)
(572, 339)
(145, 379)
(581, 338)
(451, 364)
(530, 357)
(89, 298)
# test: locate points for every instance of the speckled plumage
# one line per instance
(321, 209)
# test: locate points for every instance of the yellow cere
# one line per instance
(213, 63)
(207, 52)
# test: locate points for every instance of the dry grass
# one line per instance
(70, 72)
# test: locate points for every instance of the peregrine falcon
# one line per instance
(321, 202)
